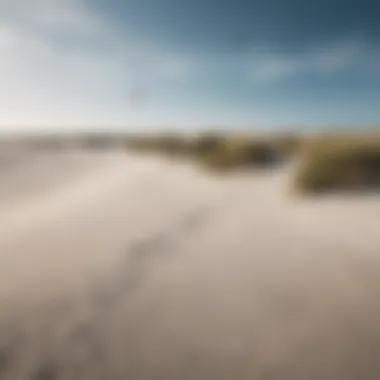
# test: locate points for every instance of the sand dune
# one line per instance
(114, 266)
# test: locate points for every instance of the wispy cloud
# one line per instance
(50, 16)
(268, 66)
(85, 80)
(64, 63)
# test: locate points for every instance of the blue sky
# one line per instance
(189, 64)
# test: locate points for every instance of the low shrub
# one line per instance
(206, 143)
(286, 145)
(232, 154)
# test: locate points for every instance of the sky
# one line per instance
(189, 64)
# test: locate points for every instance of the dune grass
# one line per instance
(217, 151)
(327, 162)
(239, 153)
(340, 163)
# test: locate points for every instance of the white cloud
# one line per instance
(269, 66)
(44, 83)
(50, 15)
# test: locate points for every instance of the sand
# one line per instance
(115, 266)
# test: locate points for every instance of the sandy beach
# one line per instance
(115, 266)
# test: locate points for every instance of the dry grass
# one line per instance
(327, 161)
(236, 153)
(340, 163)
(218, 151)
